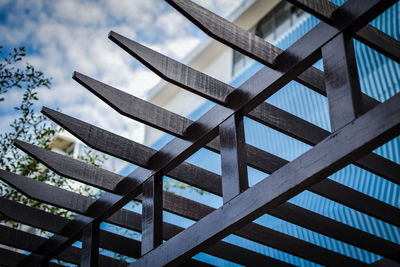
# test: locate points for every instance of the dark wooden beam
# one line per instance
(384, 263)
(152, 209)
(369, 35)
(49, 222)
(341, 81)
(233, 157)
(311, 134)
(208, 181)
(196, 211)
(175, 72)
(257, 159)
(264, 113)
(134, 107)
(72, 168)
(110, 241)
(29, 242)
(11, 258)
(90, 245)
(326, 188)
(103, 141)
(332, 228)
(130, 220)
(263, 84)
(248, 43)
(324, 159)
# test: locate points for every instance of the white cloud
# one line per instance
(67, 35)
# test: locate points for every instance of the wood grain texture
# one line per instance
(226, 32)
(322, 160)
(90, 245)
(99, 139)
(126, 246)
(369, 35)
(233, 158)
(211, 182)
(237, 38)
(27, 241)
(311, 134)
(175, 72)
(326, 188)
(135, 108)
(266, 114)
(71, 168)
(152, 213)
(341, 81)
(302, 54)
(196, 211)
(258, 114)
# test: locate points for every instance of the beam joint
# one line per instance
(90, 245)
(152, 207)
(233, 157)
(341, 81)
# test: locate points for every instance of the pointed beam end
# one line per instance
(21, 144)
(15, 181)
(46, 110)
(82, 79)
(78, 77)
(55, 116)
(135, 49)
(112, 34)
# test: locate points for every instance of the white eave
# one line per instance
(245, 16)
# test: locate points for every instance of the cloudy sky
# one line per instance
(62, 36)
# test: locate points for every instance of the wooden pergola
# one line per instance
(359, 124)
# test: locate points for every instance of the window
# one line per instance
(271, 28)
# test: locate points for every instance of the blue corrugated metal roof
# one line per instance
(379, 78)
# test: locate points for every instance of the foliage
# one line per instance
(32, 127)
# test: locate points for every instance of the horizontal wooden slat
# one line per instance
(383, 123)
(231, 35)
(193, 211)
(53, 223)
(327, 188)
(10, 258)
(99, 139)
(264, 113)
(311, 134)
(256, 158)
(266, 82)
(175, 72)
(71, 168)
(134, 107)
(122, 218)
(29, 242)
(371, 36)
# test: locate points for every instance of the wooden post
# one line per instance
(233, 157)
(152, 207)
(90, 246)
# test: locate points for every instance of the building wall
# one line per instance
(210, 57)
(379, 78)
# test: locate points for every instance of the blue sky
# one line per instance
(62, 36)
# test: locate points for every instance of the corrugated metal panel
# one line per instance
(379, 78)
